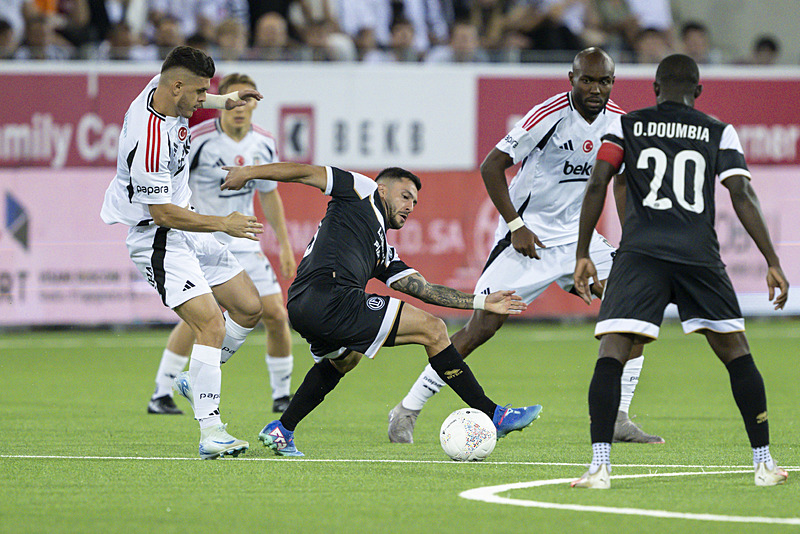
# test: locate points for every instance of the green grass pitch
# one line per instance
(79, 453)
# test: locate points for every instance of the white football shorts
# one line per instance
(258, 267)
(530, 277)
(180, 265)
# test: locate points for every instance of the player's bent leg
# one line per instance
(482, 325)
(625, 430)
(240, 298)
(279, 359)
(403, 417)
(417, 326)
(173, 361)
(748, 390)
(242, 311)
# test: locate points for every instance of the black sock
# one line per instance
(751, 398)
(319, 381)
(452, 368)
(604, 393)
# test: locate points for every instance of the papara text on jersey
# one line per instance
(671, 130)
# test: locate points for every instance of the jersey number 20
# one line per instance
(678, 178)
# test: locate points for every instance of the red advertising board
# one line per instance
(765, 116)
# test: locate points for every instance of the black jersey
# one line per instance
(672, 155)
(350, 245)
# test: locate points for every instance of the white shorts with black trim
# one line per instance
(260, 271)
(180, 265)
(529, 277)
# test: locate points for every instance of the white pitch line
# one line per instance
(387, 461)
(489, 494)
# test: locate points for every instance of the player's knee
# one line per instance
(436, 332)
(248, 312)
(482, 330)
(211, 332)
(275, 316)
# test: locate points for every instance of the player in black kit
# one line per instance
(669, 253)
(329, 307)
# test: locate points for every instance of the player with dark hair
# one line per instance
(556, 143)
(171, 244)
(329, 307)
(669, 253)
(233, 139)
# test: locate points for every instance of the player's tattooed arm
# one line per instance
(416, 286)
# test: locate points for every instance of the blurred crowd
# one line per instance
(379, 31)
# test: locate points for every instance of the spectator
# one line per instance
(271, 39)
(122, 43)
(324, 43)
(42, 42)
(69, 18)
(231, 40)
(489, 18)
(7, 43)
(612, 25)
(365, 42)
(402, 48)
(286, 8)
(425, 16)
(15, 12)
(653, 15)
(168, 35)
(651, 46)
(464, 46)
(696, 43)
(552, 25)
(766, 51)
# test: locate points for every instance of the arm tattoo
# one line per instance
(416, 286)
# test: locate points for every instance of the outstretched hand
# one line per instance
(525, 241)
(585, 270)
(777, 280)
(244, 94)
(235, 179)
(504, 303)
(240, 225)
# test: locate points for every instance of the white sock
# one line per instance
(280, 375)
(427, 385)
(235, 335)
(601, 454)
(206, 378)
(171, 364)
(630, 377)
(761, 454)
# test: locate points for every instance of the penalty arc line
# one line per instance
(489, 494)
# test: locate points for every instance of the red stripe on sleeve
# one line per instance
(611, 153)
(157, 125)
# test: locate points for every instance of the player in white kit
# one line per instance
(171, 244)
(233, 140)
(556, 142)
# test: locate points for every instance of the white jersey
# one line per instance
(152, 163)
(557, 148)
(211, 150)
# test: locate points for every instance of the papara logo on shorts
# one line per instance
(375, 303)
(209, 396)
(152, 190)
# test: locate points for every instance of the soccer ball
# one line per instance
(468, 435)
